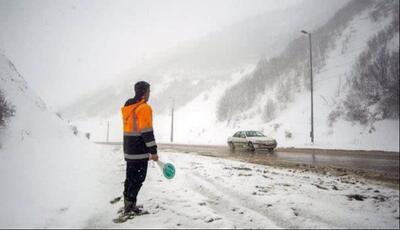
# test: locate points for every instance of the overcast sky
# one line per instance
(65, 48)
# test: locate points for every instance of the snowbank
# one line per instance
(48, 176)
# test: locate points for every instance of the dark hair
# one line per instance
(141, 88)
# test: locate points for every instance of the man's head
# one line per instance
(142, 90)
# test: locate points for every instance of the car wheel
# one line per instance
(270, 150)
(251, 147)
(231, 146)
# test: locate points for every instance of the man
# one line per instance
(139, 143)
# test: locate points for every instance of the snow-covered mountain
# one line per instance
(277, 93)
(48, 176)
(185, 71)
(272, 94)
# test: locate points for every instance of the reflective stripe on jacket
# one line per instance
(139, 138)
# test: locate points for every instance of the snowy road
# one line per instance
(378, 165)
(210, 192)
(371, 164)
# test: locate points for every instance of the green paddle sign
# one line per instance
(168, 169)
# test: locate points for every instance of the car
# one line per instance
(251, 140)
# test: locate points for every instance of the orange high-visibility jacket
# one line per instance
(139, 141)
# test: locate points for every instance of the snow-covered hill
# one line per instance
(193, 67)
(48, 176)
(279, 98)
(197, 123)
(273, 95)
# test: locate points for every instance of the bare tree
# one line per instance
(6, 110)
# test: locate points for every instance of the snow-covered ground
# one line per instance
(206, 192)
(209, 192)
(47, 174)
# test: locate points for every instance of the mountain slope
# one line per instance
(277, 70)
(272, 96)
(48, 176)
(189, 69)
(275, 97)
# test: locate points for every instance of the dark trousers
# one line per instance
(135, 175)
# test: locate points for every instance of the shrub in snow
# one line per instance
(74, 130)
(6, 110)
(288, 134)
(269, 111)
(383, 9)
(356, 111)
(374, 87)
(334, 115)
(276, 127)
(241, 96)
(59, 115)
(285, 92)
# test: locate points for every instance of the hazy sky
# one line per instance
(65, 48)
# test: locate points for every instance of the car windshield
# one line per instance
(254, 134)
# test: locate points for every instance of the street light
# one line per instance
(172, 121)
(108, 130)
(311, 75)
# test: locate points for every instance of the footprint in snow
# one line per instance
(356, 197)
(213, 219)
(295, 211)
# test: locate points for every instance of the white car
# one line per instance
(251, 140)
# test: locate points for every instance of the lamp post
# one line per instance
(311, 75)
(172, 121)
(108, 130)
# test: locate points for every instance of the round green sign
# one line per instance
(169, 171)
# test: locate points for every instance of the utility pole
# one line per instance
(108, 130)
(172, 122)
(312, 99)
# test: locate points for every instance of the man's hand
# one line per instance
(153, 157)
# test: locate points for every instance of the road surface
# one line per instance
(379, 165)
(371, 164)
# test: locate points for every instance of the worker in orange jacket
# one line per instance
(139, 143)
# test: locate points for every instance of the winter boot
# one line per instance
(129, 206)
